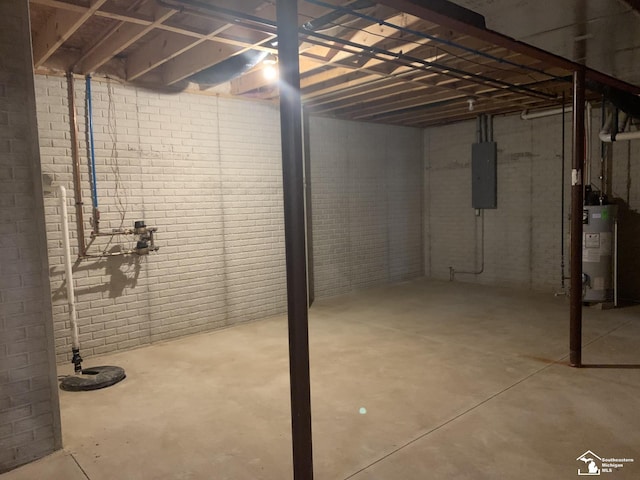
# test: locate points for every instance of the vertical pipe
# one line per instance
(575, 311)
(92, 152)
(75, 152)
(615, 263)
(92, 163)
(308, 205)
(562, 199)
(294, 223)
(68, 272)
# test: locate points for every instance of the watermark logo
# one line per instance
(595, 465)
(592, 460)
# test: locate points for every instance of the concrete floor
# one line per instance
(458, 381)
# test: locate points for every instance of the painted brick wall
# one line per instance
(204, 170)
(367, 203)
(523, 235)
(29, 411)
(207, 172)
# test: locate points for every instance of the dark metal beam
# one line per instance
(294, 226)
(575, 295)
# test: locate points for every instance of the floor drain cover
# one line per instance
(93, 378)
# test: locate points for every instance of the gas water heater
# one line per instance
(599, 243)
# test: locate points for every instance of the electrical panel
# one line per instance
(484, 175)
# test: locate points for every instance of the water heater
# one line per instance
(599, 253)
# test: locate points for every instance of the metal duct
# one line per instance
(229, 69)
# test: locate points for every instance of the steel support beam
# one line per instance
(575, 296)
(294, 227)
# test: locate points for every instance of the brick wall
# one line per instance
(29, 412)
(367, 203)
(207, 172)
(523, 235)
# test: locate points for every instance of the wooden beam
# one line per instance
(119, 39)
(59, 27)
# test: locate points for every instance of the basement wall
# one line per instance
(523, 235)
(206, 171)
(367, 204)
(29, 409)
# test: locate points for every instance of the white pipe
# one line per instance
(622, 136)
(526, 115)
(73, 318)
(605, 133)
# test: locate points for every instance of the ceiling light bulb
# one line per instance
(471, 102)
(270, 72)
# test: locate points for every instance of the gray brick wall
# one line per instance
(367, 204)
(29, 411)
(523, 235)
(207, 172)
(204, 170)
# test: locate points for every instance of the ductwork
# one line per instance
(229, 69)
(527, 115)
(608, 134)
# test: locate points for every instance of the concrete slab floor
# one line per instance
(459, 381)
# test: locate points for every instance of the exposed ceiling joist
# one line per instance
(430, 11)
(58, 29)
(407, 62)
(124, 35)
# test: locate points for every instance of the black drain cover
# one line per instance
(93, 378)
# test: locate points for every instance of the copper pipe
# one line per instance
(75, 153)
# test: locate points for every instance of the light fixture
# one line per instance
(471, 102)
(270, 72)
(270, 68)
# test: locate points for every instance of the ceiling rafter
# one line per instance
(58, 29)
(405, 62)
(118, 39)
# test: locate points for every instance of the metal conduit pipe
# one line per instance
(408, 60)
(351, 11)
(260, 24)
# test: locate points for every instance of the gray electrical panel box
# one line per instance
(484, 175)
